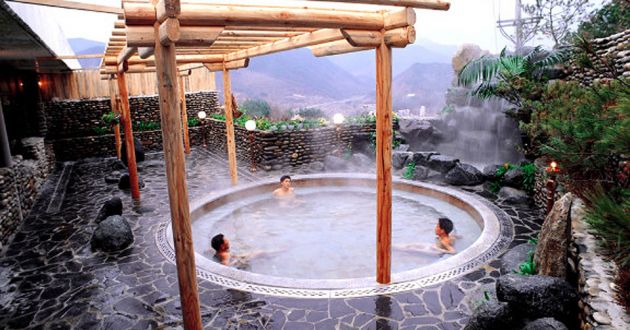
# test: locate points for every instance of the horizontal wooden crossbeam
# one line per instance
(73, 5)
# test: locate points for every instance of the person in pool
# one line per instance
(222, 255)
(445, 239)
(285, 189)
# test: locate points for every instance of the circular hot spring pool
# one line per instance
(322, 243)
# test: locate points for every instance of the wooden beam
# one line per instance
(115, 104)
(145, 52)
(383, 163)
(261, 34)
(233, 65)
(125, 117)
(73, 5)
(229, 125)
(363, 38)
(420, 4)
(169, 31)
(182, 105)
(304, 40)
(176, 181)
(119, 24)
(336, 48)
(234, 15)
(202, 36)
(69, 57)
(399, 18)
(167, 9)
(400, 37)
(125, 54)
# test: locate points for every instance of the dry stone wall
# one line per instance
(20, 184)
(79, 118)
(275, 150)
(614, 49)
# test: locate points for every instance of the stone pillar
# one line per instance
(5, 152)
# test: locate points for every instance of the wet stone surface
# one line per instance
(50, 277)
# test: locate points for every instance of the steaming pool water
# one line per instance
(323, 245)
(328, 232)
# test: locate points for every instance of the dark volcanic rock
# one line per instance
(491, 315)
(112, 234)
(464, 175)
(111, 207)
(513, 196)
(513, 178)
(537, 296)
(415, 132)
(125, 182)
(138, 148)
(512, 259)
(546, 323)
(490, 171)
(442, 163)
(400, 159)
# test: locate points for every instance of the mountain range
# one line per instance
(343, 83)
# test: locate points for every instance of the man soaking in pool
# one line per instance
(445, 239)
(285, 189)
(222, 255)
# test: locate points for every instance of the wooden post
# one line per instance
(176, 178)
(125, 117)
(229, 125)
(383, 162)
(116, 110)
(182, 102)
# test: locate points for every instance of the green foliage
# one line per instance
(362, 119)
(217, 116)
(581, 128)
(608, 215)
(529, 177)
(409, 170)
(556, 18)
(192, 122)
(513, 78)
(486, 295)
(528, 267)
(255, 108)
(142, 126)
(448, 109)
(110, 118)
(308, 113)
(611, 18)
(102, 130)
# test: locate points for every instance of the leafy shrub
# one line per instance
(308, 112)
(607, 214)
(409, 170)
(529, 266)
(110, 118)
(611, 18)
(102, 130)
(255, 108)
(529, 177)
(192, 122)
(142, 126)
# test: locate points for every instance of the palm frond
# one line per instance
(481, 69)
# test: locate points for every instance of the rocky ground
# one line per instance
(51, 278)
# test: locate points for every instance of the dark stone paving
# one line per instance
(51, 279)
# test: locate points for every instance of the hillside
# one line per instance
(423, 84)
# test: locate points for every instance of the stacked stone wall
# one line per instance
(615, 50)
(20, 184)
(287, 148)
(80, 118)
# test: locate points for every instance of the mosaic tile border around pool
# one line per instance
(502, 242)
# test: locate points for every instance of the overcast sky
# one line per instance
(468, 21)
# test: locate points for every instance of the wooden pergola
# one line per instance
(168, 36)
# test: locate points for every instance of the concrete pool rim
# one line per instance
(496, 235)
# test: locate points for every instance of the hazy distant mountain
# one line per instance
(362, 64)
(422, 84)
(84, 47)
(295, 78)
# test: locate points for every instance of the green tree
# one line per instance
(514, 78)
(256, 108)
(556, 18)
(612, 18)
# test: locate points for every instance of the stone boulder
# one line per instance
(465, 54)
(420, 173)
(442, 163)
(537, 296)
(334, 163)
(513, 196)
(360, 160)
(546, 323)
(415, 132)
(464, 175)
(113, 206)
(422, 157)
(402, 147)
(490, 171)
(113, 177)
(400, 159)
(513, 178)
(139, 151)
(112, 234)
(554, 239)
(491, 315)
(512, 259)
(125, 182)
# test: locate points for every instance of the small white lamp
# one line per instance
(338, 119)
(250, 125)
(201, 114)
